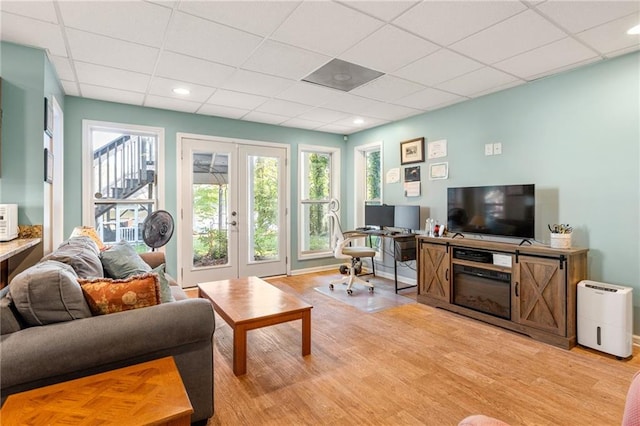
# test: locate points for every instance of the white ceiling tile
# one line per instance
(387, 88)
(516, 35)
(309, 93)
(164, 87)
(384, 10)
(577, 16)
(615, 53)
(368, 122)
(107, 51)
(388, 49)
(256, 83)
(547, 58)
(222, 111)
(612, 36)
(70, 88)
(325, 27)
(497, 88)
(99, 75)
(280, 107)
(40, 10)
(302, 124)
(349, 103)
(438, 67)
(161, 102)
(445, 22)
(236, 99)
(208, 40)
(428, 98)
(111, 95)
(477, 81)
(63, 67)
(389, 112)
(133, 21)
(323, 115)
(264, 117)
(284, 60)
(30, 32)
(334, 128)
(256, 17)
(194, 70)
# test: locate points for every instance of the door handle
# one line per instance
(234, 223)
(517, 285)
(446, 275)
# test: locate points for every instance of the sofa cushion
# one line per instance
(9, 322)
(48, 292)
(82, 254)
(106, 295)
(122, 261)
(165, 289)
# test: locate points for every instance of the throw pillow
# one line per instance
(165, 288)
(48, 292)
(106, 296)
(121, 261)
(81, 253)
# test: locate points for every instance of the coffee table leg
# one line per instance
(239, 351)
(306, 332)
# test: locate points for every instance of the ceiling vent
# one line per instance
(342, 75)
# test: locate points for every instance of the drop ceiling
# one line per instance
(246, 59)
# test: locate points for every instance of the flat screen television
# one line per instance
(407, 217)
(505, 210)
(379, 216)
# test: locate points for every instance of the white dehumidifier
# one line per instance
(605, 317)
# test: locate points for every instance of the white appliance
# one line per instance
(8, 222)
(605, 317)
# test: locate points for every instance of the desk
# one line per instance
(9, 249)
(404, 250)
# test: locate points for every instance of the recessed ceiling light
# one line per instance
(358, 121)
(181, 91)
(635, 30)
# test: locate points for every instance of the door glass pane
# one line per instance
(116, 222)
(210, 206)
(263, 208)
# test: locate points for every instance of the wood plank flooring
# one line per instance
(410, 365)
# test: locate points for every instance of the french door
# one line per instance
(233, 210)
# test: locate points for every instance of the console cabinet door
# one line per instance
(540, 294)
(434, 272)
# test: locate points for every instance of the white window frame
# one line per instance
(88, 126)
(360, 184)
(334, 188)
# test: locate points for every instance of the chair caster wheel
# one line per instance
(370, 289)
(331, 287)
(349, 292)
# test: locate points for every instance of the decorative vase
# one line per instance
(561, 241)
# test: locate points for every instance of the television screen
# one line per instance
(381, 216)
(407, 217)
(507, 210)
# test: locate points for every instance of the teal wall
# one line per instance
(27, 77)
(78, 109)
(576, 136)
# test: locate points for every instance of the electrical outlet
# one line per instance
(488, 149)
(497, 148)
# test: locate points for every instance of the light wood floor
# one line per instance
(409, 365)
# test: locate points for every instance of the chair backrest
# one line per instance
(337, 237)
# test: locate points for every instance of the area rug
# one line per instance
(383, 297)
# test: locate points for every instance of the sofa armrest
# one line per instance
(86, 344)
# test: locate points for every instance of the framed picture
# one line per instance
(438, 171)
(412, 151)
(48, 166)
(48, 117)
(412, 174)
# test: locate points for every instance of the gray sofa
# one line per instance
(36, 356)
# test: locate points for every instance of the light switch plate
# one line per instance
(497, 148)
(488, 149)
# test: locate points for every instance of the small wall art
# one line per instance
(412, 151)
(48, 166)
(438, 171)
(48, 117)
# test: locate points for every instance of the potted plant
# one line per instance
(560, 236)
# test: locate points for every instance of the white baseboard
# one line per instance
(323, 268)
(636, 340)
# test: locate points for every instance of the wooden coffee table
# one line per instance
(250, 303)
(151, 393)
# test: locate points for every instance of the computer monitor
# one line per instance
(407, 217)
(380, 216)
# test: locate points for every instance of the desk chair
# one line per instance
(341, 250)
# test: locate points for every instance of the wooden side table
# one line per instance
(151, 393)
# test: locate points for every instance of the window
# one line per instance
(121, 185)
(319, 182)
(368, 185)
